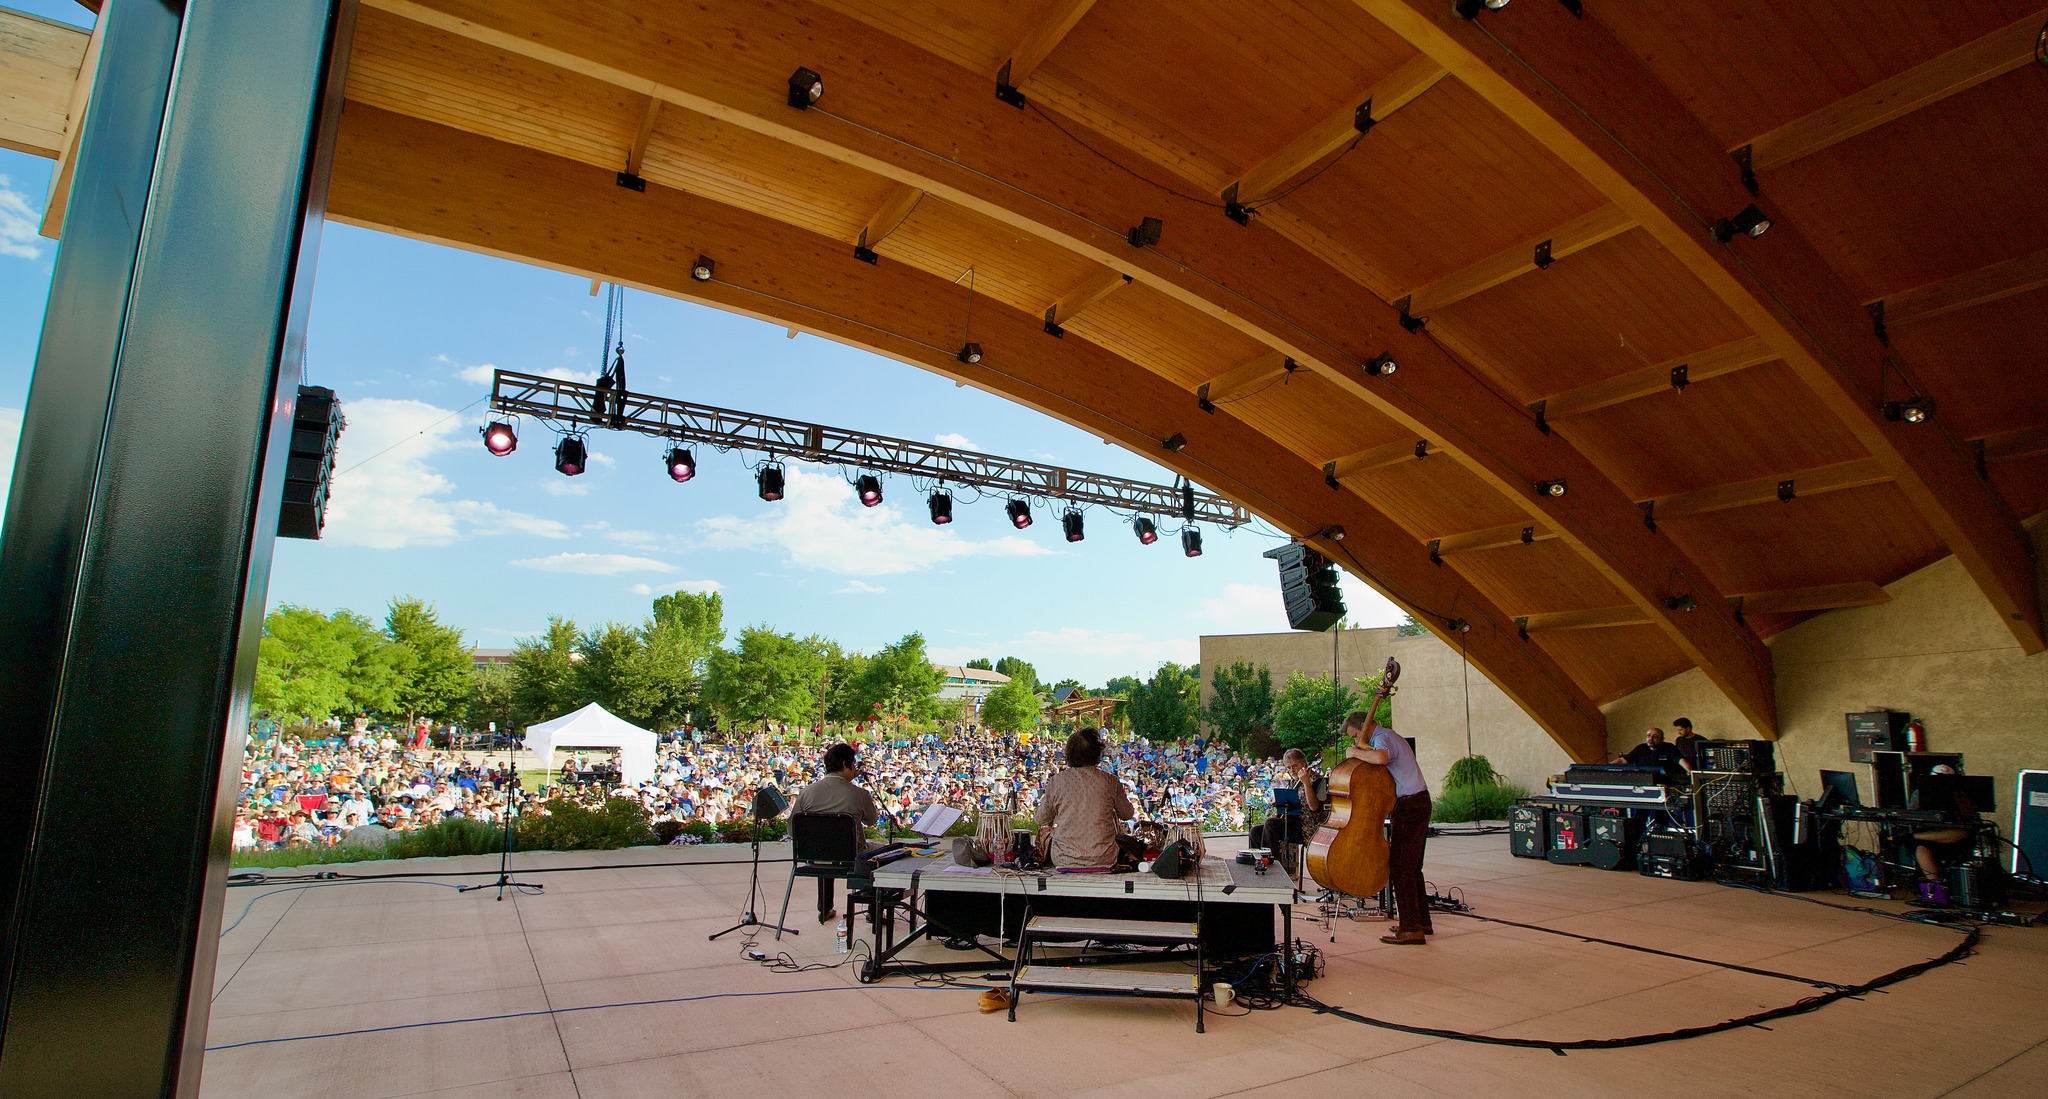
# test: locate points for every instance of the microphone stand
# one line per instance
(747, 918)
(505, 879)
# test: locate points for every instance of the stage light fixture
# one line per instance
(1550, 488)
(1146, 232)
(1750, 222)
(1175, 442)
(682, 465)
(769, 482)
(1146, 530)
(805, 88)
(941, 503)
(970, 353)
(1383, 366)
(1070, 522)
(1333, 533)
(1191, 542)
(499, 438)
(703, 269)
(869, 487)
(1682, 603)
(571, 456)
(1020, 513)
(1469, 9)
(1913, 411)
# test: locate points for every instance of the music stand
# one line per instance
(768, 804)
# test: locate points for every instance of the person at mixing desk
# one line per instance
(1654, 752)
(1931, 846)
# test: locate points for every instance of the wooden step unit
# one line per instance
(1106, 980)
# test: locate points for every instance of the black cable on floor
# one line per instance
(1752, 970)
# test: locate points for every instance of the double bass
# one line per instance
(1349, 852)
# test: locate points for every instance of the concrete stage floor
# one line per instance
(321, 961)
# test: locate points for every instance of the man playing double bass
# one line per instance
(1409, 823)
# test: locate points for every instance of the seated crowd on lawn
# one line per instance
(315, 792)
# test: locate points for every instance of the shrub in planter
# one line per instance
(565, 825)
(449, 837)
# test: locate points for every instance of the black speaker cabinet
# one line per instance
(1528, 826)
(1568, 839)
(1611, 840)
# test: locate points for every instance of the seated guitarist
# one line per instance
(1410, 823)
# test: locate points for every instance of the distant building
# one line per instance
(484, 658)
(972, 684)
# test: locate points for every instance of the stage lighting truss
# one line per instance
(571, 407)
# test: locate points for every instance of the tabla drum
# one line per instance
(1189, 832)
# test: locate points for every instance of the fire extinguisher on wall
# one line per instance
(1916, 736)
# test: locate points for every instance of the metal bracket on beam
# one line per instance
(1681, 377)
(1522, 627)
(1006, 91)
(1202, 400)
(1876, 311)
(1436, 558)
(1233, 209)
(1421, 448)
(1539, 408)
(862, 252)
(1411, 323)
(632, 182)
(1528, 535)
(1785, 492)
(1742, 161)
(1543, 258)
(1330, 474)
(1052, 325)
(1362, 118)
(1649, 513)
(1736, 602)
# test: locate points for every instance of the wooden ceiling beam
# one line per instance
(40, 61)
(1511, 263)
(1043, 39)
(1711, 363)
(1596, 618)
(1929, 82)
(397, 174)
(894, 212)
(894, 110)
(58, 202)
(1826, 597)
(1254, 373)
(1096, 287)
(1510, 534)
(2021, 443)
(638, 153)
(1574, 86)
(1982, 286)
(1400, 88)
(1394, 453)
(1764, 490)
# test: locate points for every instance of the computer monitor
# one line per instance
(1838, 788)
(1895, 775)
(1965, 794)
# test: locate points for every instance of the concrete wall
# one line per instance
(1429, 705)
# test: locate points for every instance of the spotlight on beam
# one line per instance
(1682, 603)
(941, 503)
(1146, 232)
(1469, 9)
(682, 465)
(571, 456)
(869, 487)
(1191, 542)
(1913, 411)
(703, 269)
(768, 482)
(970, 353)
(1020, 513)
(1751, 222)
(499, 438)
(805, 88)
(1550, 488)
(1070, 522)
(1146, 530)
(1383, 366)
(1175, 442)
(1333, 533)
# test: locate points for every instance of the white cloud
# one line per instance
(859, 587)
(18, 221)
(594, 564)
(1243, 608)
(955, 440)
(819, 525)
(564, 486)
(387, 495)
(605, 460)
(480, 374)
(701, 587)
(10, 436)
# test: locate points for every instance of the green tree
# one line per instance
(1124, 686)
(438, 664)
(545, 682)
(1168, 706)
(490, 698)
(1241, 701)
(901, 678)
(1305, 716)
(981, 663)
(1065, 684)
(1017, 668)
(1011, 708)
(613, 671)
(699, 620)
(845, 673)
(769, 677)
(303, 665)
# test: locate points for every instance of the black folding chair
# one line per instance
(822, 845)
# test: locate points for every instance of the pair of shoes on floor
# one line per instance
(828, 915)
(1406, 938)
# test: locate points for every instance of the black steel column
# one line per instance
(138, 537)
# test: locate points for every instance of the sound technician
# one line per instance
(1410, 825)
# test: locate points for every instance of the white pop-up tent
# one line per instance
(593, 726)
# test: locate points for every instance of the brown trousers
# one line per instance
(1410, 831)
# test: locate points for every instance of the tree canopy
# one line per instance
(1306, 716)
(1017, 668)
(1011, 708)
(768, 676)
(1241, 701)
(1167, 706)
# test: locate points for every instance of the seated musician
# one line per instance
(835, 792)
(1933, 846)
(1084, 808)
(1653, 752)
(1281, 837)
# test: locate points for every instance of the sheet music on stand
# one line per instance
(935, 820)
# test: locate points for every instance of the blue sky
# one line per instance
(406, 334)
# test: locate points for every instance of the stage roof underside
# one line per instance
(1538, 191)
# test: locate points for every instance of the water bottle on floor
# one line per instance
(845, 932)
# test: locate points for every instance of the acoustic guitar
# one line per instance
(1349, 852)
